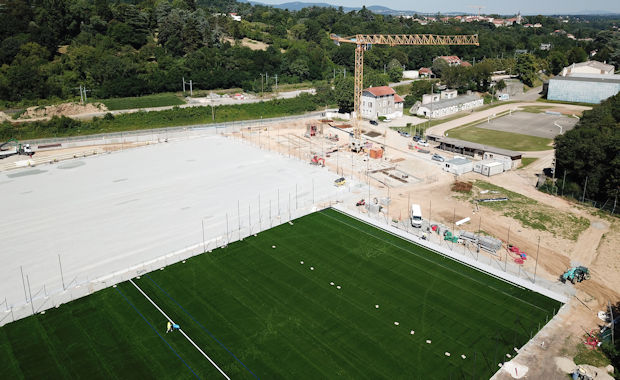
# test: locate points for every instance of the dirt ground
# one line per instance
(594, 248)
(64, 109)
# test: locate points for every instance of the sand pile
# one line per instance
(64, 109)
(4, 117)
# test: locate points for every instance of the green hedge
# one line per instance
(64, 126)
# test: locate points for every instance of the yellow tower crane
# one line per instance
(366, 40)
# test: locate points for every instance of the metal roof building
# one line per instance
(510, 158)
(583, 88)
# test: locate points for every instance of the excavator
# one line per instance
(23, 149)
(577, 274)
(316, 160)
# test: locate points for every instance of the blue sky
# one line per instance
(497, 6)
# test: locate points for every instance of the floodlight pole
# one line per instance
(536, 266)
(204, 246)
(227, 234)
(23, 282)
(430, 208)
(30, 292)
(613, 325)
(239, 217)
(259, 214)
(62, 278)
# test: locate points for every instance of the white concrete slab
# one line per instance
(106, 213)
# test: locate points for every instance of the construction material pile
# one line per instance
(483, 242)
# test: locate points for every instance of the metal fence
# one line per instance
(500, 264)
(170, 131)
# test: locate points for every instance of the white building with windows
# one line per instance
(381, 101)
(447, 103)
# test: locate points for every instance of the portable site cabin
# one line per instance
(458, 166)
(489, 167)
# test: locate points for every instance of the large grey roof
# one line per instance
(482, 147)
(596, 78)
(594, 64)
(450, 102)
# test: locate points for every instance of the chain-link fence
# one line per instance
(499, 264)
(245, 218)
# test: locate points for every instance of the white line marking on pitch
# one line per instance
(182, 332)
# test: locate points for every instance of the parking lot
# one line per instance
(531, 124)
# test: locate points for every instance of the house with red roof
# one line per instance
(451, 60)
(381, 101)
(425, 72)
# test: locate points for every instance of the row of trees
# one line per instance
(589, 155)
(48, 48)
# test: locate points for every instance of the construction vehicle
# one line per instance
(365, 41)
(316, 160)
(575, 274)
(340, 181)
(19, 149)
(360, 203)
(312, 130)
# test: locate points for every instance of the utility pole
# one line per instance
(191, 89)
(583, 197)
(81, 95)
(261, 84)
(183, 85)
(276, 82)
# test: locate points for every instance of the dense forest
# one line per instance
(128, 48)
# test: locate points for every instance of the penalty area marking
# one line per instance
(180, 330)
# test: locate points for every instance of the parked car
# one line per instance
(438, 157)
(374, 122)
(417, 138)
(423, 143)
(404, 134)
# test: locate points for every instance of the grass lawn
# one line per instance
(257, 311)
(147, 101)
(530, 213)
(542, 100)
(500, 139)
(525, 161)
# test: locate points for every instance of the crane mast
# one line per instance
(363, 40)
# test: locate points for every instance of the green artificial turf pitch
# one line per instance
(257, 311)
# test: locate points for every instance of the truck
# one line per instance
(19, 149)
(416, 216)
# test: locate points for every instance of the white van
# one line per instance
(416, 216)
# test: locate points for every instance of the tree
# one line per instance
(501, 85)
(344, 93)
(439, 67)
(557, 61)
(576, 55)
(590, 150)
(395, 70)
(526, 69)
